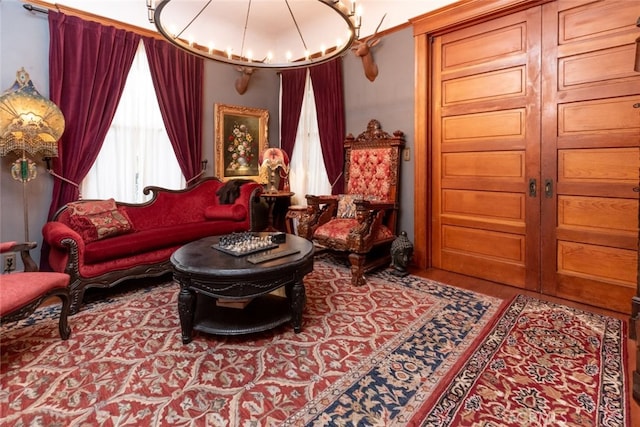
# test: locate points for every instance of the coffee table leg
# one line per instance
(186, 310)
(297, 304)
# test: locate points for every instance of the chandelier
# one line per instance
(275, 34)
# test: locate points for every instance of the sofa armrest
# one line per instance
(66, 245)
(250, 192)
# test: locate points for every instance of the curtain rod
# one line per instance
(43, 7)
(32, 8)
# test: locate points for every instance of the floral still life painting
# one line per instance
(241, 135)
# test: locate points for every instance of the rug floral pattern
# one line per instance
(370, 353)
(395, 352)
(542, 365)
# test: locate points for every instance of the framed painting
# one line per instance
(241, 135)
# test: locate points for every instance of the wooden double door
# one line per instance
(534, 150)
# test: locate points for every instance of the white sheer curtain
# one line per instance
(136, 152)
(308, 174)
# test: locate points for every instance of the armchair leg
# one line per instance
(357, 269)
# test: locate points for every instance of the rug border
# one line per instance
(416, 420)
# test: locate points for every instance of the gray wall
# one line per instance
(390, 100)
(24, 42)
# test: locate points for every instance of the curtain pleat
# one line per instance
(328, 91)
(292, 82)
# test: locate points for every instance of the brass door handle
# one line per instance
(533, 187)
(548, 188)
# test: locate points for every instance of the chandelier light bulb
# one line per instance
(323, 49)
(269, 56)
(249, 56)
(289, 56)
(211, 47)
(229, 50)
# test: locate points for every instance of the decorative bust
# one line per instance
(401, 254)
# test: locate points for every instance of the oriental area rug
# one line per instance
(397, 351)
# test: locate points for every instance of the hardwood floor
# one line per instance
(505, 292)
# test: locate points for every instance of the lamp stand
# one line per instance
(25, 204)
(24, 170)
(272, 182)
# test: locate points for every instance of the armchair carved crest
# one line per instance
(361, 222)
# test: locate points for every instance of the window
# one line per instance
(308, 174)
(136, 152)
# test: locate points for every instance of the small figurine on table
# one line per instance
(401, 254)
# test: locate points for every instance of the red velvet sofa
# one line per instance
(101, 243)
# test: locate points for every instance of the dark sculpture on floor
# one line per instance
(401, 254)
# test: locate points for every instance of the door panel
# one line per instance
(493, 255)
(485, 134)
(534, 160)
(591, 134)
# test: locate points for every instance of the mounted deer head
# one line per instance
(242, 82)
(362, 48)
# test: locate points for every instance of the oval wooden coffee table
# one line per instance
(214, 285)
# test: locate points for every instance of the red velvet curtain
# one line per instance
(88, 67)
(177, 78)
(328, 91)
(291, 105)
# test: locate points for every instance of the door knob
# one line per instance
(548, 188)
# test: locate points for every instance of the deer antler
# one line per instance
(362, 48)
(242, 82)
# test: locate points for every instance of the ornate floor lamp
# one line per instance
(29, 124)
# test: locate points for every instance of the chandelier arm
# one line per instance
(194, 18)
(246, 25)
(296, 24)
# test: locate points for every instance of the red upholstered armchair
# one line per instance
(22, 292)
(360, 223)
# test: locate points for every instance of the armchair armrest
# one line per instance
(320, 209)
(370, 216)
(25, 255)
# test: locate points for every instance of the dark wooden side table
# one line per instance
(272, 198)
(207, 275)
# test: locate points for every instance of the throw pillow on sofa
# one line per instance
(98, 219)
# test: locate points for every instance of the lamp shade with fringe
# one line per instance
(29, 122)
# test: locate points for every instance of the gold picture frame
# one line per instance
(242, 133)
